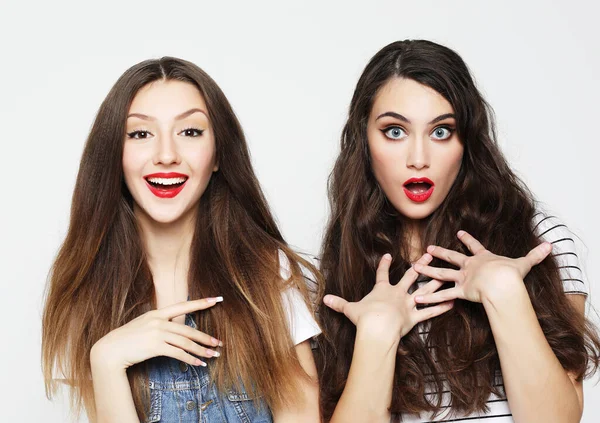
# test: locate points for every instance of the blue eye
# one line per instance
(442, 133)
(139, 135)
(192, 132)
(394, 133)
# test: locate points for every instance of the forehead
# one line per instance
(413, 100)
(164, 99)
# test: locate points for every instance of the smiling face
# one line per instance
(415, 152)
(169, 152)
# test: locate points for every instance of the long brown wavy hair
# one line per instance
(487, 200)
(101, 279)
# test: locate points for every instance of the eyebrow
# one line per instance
(404, 119)
(178, 117)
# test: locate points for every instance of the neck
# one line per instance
(167, 247)
(412, 239)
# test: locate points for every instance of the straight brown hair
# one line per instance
(101, 280)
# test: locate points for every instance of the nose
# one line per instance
(166, 150)
(418, 153)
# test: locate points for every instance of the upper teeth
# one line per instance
(167, 181)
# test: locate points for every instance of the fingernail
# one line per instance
(460, 233)
(216, 342)
(547, 247)
(430, 248)
(327, 301)
(428, 256)
(214, 299)
(200, 363)
(417, 267)
(213, 353)
(387, 256)
(418, 298)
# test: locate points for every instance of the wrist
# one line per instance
(102, 361)
(377, 336)
(503, 293)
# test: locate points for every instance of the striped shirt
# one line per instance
(566, 250)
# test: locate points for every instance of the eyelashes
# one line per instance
(440, 133)
(138, 135)
(191, 132)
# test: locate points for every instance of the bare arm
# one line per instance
(149, 335)
(307, 408)
(112, 394)
(537, 387)
(368, 392)
(381, 318)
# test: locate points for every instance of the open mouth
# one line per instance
(166, 185)
(418, 189)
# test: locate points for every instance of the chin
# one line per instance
(163, 216)
(415, 211)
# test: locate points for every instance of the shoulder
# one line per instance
(567, 250)
(301, 320)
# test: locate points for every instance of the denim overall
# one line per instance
(180, 393)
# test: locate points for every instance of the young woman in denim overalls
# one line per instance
(174, 297)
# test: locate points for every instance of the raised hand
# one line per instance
(154, 334)
(480, 275)
(389, 310)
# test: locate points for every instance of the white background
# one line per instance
(289, 70)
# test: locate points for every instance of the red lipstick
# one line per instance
(418, 189)
(159, 184)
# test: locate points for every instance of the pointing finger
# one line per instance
(186, 307)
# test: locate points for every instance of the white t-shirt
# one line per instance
(300, 320)
(566, 248)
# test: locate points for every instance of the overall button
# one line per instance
(183, 366)
(190, 405)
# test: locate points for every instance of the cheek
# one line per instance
(203, 160)
(382, 160)
(131, 162)
(453, 161)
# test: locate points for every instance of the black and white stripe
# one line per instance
(566, 250)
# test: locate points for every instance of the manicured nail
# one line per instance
(214, 299)
(216, 342)
(387, 256)
(213, 353)
(460, 233)
(200, 363)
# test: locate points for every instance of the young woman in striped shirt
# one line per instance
(446, 284)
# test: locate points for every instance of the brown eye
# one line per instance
(191, 132)
(138, 134)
